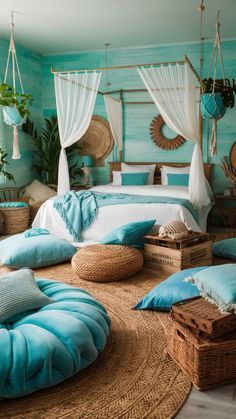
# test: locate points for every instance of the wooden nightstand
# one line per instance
(226, 206)
(80, 187)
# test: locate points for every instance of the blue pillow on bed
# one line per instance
(134, 179)
(178, 179)
(130, 234)
(170, 291)
(19, 251)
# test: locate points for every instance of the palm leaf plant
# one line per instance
(3, 162)
(46, 148)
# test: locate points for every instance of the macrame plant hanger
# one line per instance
(212, 105)
(11, 114)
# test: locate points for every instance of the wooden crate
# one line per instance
(170, 256)
(203, 317)
(207, 363)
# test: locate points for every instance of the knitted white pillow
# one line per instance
(38, 192)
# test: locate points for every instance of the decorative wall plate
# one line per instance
(158, 137)
(97, 142)
(232, 155)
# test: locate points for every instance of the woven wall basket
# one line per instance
(16, 219)
(97, 142)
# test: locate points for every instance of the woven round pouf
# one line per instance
(104, 263)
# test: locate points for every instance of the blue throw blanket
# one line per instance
(79, 209)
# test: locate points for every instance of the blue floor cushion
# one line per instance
(225, 248)
(44, 347)
(217, 284)
(170, 291)
(34, 251)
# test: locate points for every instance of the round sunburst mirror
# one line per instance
(157, 133)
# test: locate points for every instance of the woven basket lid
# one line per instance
(97, 142)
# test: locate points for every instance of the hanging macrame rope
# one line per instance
(215, 55)
(11, 114)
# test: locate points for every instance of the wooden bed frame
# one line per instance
(116, 166)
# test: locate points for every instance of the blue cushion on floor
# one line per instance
(53, 343)
(19, 251)
(130, 234)
(225, 248)
(170, 291)
(218, 285)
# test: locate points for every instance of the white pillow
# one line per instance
(116, 176)
(38, 192)
(127, 168)
(170, 169)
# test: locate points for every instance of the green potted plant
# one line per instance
(47, 148)
(15, 105)
(3, 162)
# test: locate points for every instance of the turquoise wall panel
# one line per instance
(138, 145)
(30, 65)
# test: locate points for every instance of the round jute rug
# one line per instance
(133, 378)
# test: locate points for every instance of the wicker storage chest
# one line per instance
(207, 363)
(170, 255)
(203, 317)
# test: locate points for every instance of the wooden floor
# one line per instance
(217, 403)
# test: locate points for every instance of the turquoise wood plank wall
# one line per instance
(30, 65)
(137, 118)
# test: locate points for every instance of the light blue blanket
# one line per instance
(79, 209)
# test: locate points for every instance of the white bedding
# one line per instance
(110, 217)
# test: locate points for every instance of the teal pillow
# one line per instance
(19, 251)
(218, 285)
(130, 234)
(13, 204)
(170, 291)
(19, 293)
(225, 248)
(177, 179)
(134, 179)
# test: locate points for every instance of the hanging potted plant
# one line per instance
(15, 105)
(218, 95)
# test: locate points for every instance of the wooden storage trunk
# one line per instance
(170, 256)
(203, 317)
(207, 363)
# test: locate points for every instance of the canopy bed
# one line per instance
(161, 207)
(175, 90)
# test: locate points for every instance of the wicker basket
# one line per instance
(203, 317)
(16, 219)
(207, 363)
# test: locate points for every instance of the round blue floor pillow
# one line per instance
(42, 348)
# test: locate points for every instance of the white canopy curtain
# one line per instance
(114, 113)
(75, 100)
(175, 91)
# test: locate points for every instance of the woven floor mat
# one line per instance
(133, 378)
